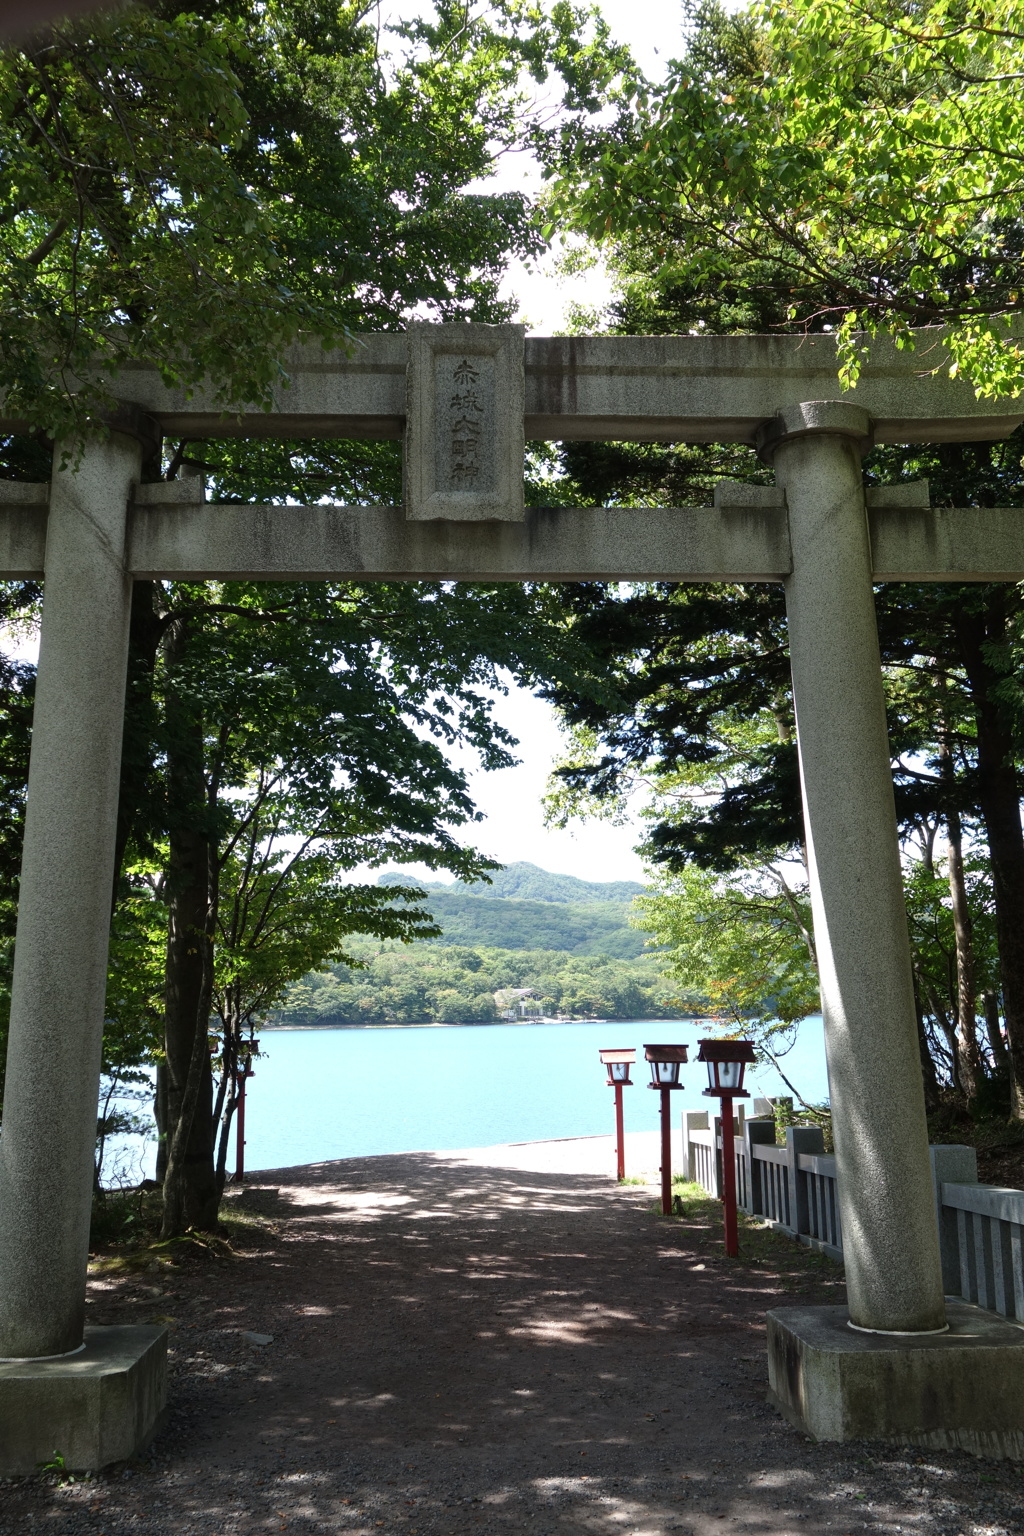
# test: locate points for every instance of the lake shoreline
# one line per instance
(312, 1029)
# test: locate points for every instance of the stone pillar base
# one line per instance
(101, 1405)
(961, 1390)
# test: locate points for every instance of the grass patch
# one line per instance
(796, 1268)
(125, 1217)
(245, 1229)
(689, 1199)
(124, 1236)
(164, 1253)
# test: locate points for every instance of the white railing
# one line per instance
(981, 1234)
(794, 1189)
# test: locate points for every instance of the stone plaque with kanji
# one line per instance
(464, 423)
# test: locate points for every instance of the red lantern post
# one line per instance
(245, 1062)
(665, 1062)
(726, 1063)
(618, 1064)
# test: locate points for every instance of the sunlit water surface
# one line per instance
(326, 1093)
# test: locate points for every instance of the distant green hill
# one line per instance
(567, 940)
(527, 908)
(528, 882)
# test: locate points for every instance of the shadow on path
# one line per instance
(426, 1344)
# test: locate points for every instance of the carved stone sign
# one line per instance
(464, 423)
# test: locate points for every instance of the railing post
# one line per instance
(693, 1120)
(800, 1138)
(951, 1165)
(756, 1133)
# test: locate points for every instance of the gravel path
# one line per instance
(459, 1344)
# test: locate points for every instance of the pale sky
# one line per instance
(510, 799)
(652, 28)
(514, 826)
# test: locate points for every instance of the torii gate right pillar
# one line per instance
(890, 1235)
(898, 1365)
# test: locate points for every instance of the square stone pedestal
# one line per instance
(958, 1390)
(98, 1406)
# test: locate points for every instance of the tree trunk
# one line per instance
(190, 1189)
(144, 636)
(928, 1073)
(999, 802)
(947, 1027)
(968, 1051)
(227, 1091)
(224, 1142)
(1000, 1058)
(161, 1117)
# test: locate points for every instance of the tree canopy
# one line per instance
(853, 165)
(195, 187)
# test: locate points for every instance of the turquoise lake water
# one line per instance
(325, 1093)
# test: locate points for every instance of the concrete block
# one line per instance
(593, 388)
(102, 1405)
(961, 1390)
(736, 493)
(760, 1133)
(801, 1138)
(693, 1120)
(908, 493)
(268, 543)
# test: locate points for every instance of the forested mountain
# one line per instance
(525, 907)
(571, 945)
(528, 882)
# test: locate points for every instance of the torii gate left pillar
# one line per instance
(464, 517)
(93, 1397)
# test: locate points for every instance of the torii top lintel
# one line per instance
(466, 396)
(594, 388)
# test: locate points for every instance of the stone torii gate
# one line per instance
(465, 397)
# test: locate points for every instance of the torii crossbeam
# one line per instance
(465, 397)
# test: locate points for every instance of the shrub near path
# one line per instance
(460, 1343)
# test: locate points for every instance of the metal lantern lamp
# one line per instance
(246, 1053)
(726, 1061)
(618, 1064)
(665, 1061)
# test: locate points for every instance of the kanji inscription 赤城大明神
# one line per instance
(467, 425)
(465, 407)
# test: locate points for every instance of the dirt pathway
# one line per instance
(446, 1345)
